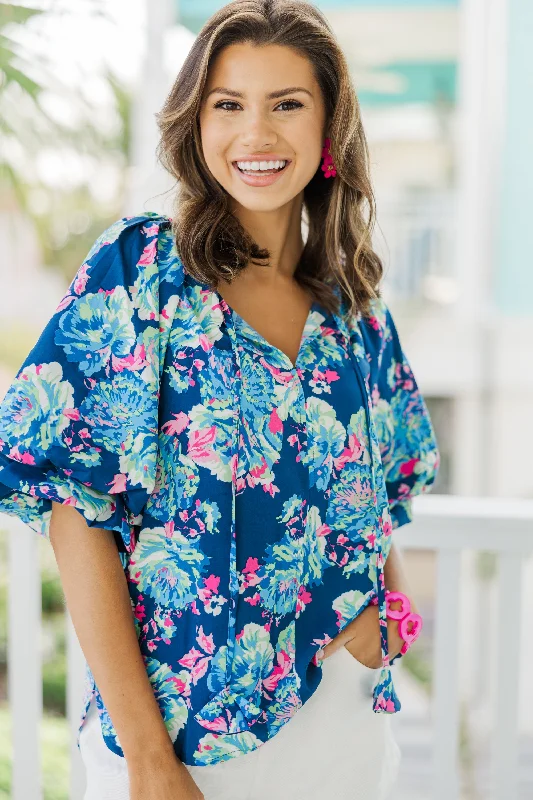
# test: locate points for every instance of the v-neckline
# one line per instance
(309, 326)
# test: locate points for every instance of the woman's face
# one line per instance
(239, 121)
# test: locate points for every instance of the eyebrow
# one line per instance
(269, 96)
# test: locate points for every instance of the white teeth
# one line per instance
(258, 166)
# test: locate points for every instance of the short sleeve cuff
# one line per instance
(26, 491)
(401, 512)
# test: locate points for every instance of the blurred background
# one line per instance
(446, 89)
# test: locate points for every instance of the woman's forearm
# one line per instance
(395, 577)
(99, 604)
(396, 581)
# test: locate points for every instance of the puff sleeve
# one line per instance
(407, 441)
(79, 423)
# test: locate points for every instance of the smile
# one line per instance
(260, 177)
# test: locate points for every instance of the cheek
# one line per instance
(214, 146)
(308, 141)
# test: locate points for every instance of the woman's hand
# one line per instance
(167, 780)
(362, 638)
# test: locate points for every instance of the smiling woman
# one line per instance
(288, 122)
(249, 434)
(268, 81)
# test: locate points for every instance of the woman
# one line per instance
(219, 448)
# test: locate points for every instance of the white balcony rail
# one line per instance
(444, 524)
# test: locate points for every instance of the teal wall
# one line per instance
(426, 82)
(513, 284)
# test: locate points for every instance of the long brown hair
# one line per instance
(339, 212)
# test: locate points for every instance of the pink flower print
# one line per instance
(24, 458)
(323, 530)
(65, 302)
(80, 281)
(151, 230)
(217, 724)
(204, 342)
(275, 425)
(207, 593)
(303, 599)
(200, 444)
(254, 600)
(199, 669)
(353, 452)
(189, 659)
(180, 686)
(148, 254)
(280, 671)
(407, 468)
(260, 470)
(118, 484)
(330, 375)
(252, 565)
(135, 360)
(212, 583)
(140, 612)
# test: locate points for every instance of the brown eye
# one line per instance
(295, 104)
(224, 103)
(221, 103)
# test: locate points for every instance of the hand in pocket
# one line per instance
(361, 638)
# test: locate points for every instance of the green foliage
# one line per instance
(16, 341)
(55, 755)
(66, 222)
(54, 685)
(55, 742)
(419, 667)
(53, 599)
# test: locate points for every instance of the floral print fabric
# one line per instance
(252, 500)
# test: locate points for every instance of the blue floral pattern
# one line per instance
(252, 500)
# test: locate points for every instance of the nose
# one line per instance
(258, 131)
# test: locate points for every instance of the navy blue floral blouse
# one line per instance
(252, 500)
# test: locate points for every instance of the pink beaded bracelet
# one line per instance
(404, 615)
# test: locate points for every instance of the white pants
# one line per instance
(335, 746)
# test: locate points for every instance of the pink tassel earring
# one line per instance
(328, 166)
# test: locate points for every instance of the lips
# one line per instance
(251, 160)
(260, 178)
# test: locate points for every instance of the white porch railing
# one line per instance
(447, 525)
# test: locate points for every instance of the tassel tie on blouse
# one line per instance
(228, 711)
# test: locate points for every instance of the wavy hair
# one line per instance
(339, 213)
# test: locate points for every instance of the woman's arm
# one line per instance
(396, 581)
(98, 600)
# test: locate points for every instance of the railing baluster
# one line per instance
(446, 677)
(507, 654)
(75, 685)
(25, 683)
